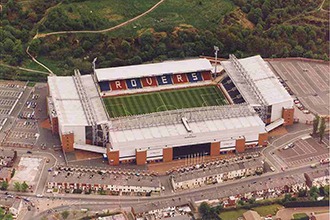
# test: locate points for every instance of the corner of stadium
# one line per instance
(170, 110)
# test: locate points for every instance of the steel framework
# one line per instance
(262, 109)
(173, 117)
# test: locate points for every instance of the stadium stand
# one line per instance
(133, 83)
(232, 91)
(179, 78)
(149, 81)
(164, 74)
(195, 77)
(118, 85)
(104, 86)
(164, 80)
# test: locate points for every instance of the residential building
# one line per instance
(105, 182)
(317, 178)
(216, 174)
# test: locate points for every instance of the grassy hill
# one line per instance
(174, 30)
(103, 14)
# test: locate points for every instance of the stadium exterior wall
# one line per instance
(277, 109)
(141, 156)
(78, 131)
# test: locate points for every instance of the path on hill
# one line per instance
(25, 69)
(319, 8)
(88, 32)
(36, 61)
(104, 30)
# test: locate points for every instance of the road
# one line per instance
(96, 202)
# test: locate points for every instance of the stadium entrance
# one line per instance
(196, 150)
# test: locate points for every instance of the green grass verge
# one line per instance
(300, 216)
(230, 215)
(53, 65)
(267, 209)
(31, 84)
(164, 100)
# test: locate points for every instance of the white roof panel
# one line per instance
(176, 135)
(153, 69)
(263, 78)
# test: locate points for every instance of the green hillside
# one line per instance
(176, 29)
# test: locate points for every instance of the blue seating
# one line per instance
(164, 80)
(104, 86)
(134, 83)
(195, 77)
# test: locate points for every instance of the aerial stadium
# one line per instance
(169, 110)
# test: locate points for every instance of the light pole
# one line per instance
(216, 49)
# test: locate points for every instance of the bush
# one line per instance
(300, 216)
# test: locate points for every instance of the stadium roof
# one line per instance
(262, 77)
(173, 133)
(153, 69)
(67, 102)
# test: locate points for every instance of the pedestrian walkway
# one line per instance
(287, 213)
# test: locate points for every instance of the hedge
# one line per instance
(294, 204)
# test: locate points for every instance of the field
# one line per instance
(163, 101)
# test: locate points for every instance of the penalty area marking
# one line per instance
(127, 113)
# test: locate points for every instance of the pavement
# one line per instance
(287, 213)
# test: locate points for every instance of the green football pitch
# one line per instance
(163, 101)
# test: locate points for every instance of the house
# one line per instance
(7, 157)
(251, 215)
(216, 173)
(5, 174)
(16, 207)
(317, 178)
(105, 182)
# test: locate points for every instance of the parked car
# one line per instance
(29, 152)
(272, 169)
(313, 165)
(306, 111)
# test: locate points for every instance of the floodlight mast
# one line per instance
(216, 49)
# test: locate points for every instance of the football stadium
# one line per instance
(169, 110)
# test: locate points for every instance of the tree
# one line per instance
(17, 186)
(252, 200)
(287, 198)
(314, 192)
(65, 214)
(4, 185)
(322, 129)
(204, 209)
(302, 193)
(24, 186)
(316, 124)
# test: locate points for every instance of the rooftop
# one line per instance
(5, 172)
(318, 174)
(94, 178)
(208, 124)
(67, 101)
(217, 169)
(153, 69)
(262, 77)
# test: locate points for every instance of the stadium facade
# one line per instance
(258, 103)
